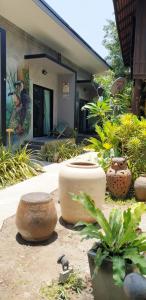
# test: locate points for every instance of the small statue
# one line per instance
(64, 262)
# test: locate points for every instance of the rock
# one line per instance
(135, 286)
(64, 275)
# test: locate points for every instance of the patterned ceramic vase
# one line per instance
(118, 177)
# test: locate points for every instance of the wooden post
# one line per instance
(136, 96)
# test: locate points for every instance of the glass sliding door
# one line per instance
(47, 113)
(3, 84)
(42, 111)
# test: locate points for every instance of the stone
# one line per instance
(135, 286)
(64, 275)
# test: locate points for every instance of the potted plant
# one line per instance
(119, 247)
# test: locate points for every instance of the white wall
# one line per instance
(66, 103)
(49, 81)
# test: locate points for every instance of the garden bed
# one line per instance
(24, 269)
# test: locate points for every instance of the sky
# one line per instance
(86, 17)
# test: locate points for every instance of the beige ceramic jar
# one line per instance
(75, 177)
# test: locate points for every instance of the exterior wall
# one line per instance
(49, 81)
(19, 43)
(66, 102)
(81, 74)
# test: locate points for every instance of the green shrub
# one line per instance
(17, 166)
(131, 138)
(127, 137)
(74, 285)
(60, 150)
(118, 239)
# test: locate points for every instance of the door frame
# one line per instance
(51, 108)
(3, 84)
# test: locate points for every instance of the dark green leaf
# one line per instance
(118, 269)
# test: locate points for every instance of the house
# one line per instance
(131, 25)
(46, 71)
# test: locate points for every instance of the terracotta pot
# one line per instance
(36, 216)
(118, 177)
(102, 282)
(140, 188)
(76, 177)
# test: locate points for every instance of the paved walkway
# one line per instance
(46, 182)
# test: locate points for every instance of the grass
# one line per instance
(129, 200)
(57, 291)
(59, 151)
(16, 166)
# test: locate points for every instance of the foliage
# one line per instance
(118, 238)
(112, 44)
(106, 143)
(125, 137)
(116, 202)
(131, 136)
(60, 150)
(17, 166)
(56, 291)
(106, 80)
(97, 110)
(112, 106)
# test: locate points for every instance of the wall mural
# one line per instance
(18, 104)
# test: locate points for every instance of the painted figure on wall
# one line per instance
(18, 105)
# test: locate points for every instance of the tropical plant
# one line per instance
(118, 239)
(98, 110)
(60, 150)
(106, 138)
(131, 140)
(124, 137)
(106, 143)
(17, 166)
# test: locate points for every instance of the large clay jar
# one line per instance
(118, 177)
(75, 177)
(140, 188)
(36, 216)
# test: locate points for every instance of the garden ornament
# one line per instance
(135, 286)
(64, 262)
(118, 177)
(9, 132)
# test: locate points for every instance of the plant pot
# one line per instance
(36, 216)
(140, 188)
(118, 178)
(75, 177)
(102, 282)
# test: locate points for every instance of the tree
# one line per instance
(112, 44)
